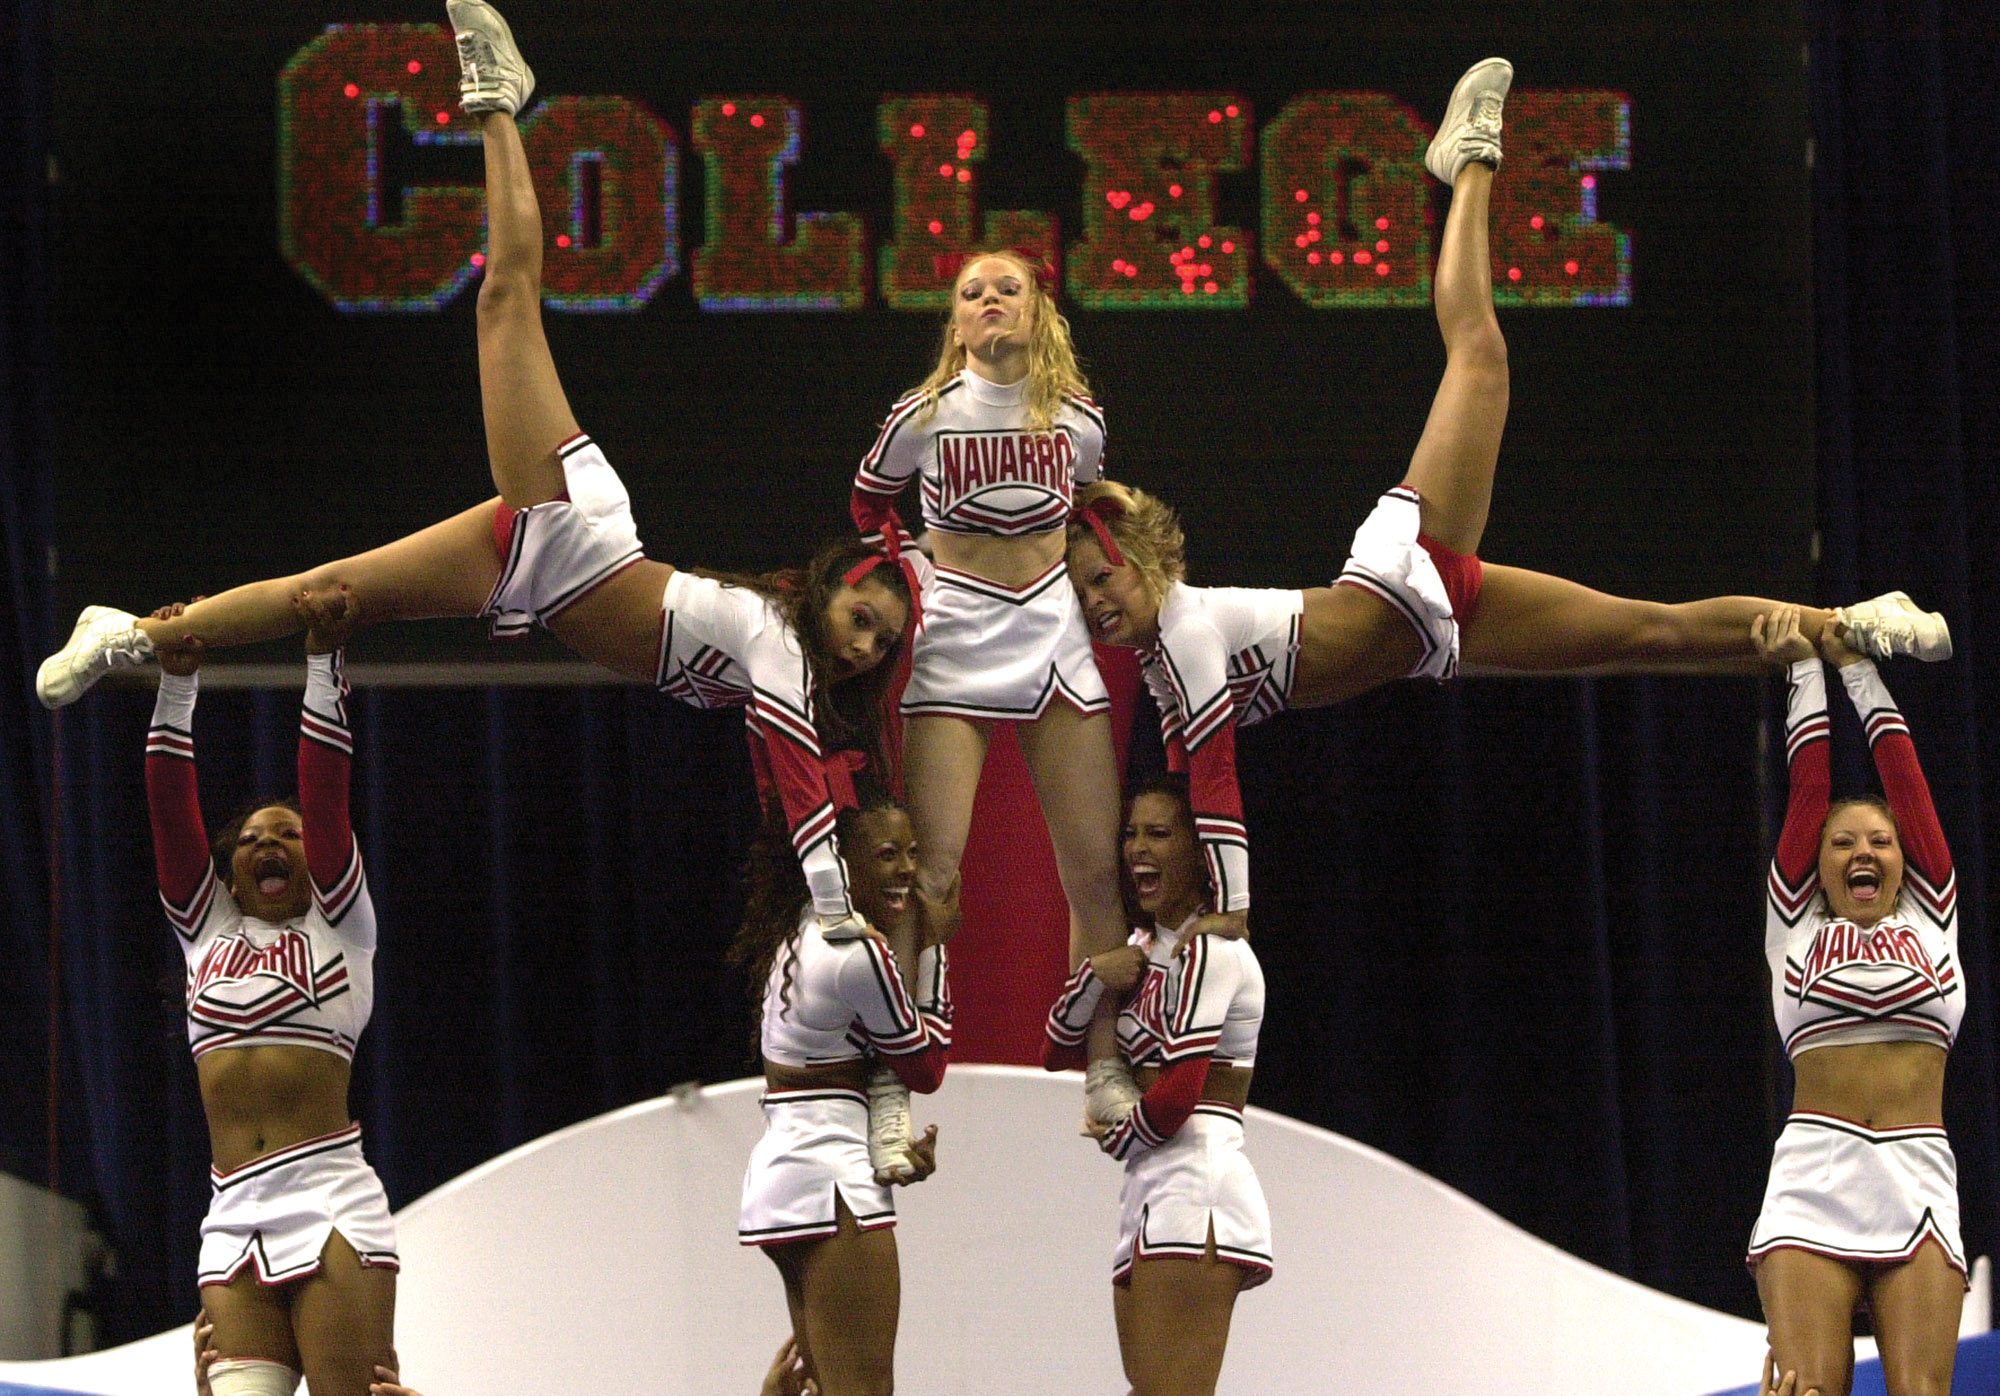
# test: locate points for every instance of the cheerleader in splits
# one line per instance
(1414, 588)
(1193, 1228)
(1861, 931)
(814, 1198)
(801, 651)
(999, 434)
(298, 1252)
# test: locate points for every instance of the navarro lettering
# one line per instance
(288, 960)
(971, 461)
(1842, 945)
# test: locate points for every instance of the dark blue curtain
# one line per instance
(1906, 213)
(26, 478)
(1512, 929)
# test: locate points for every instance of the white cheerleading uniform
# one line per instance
(1224, 659)
(828, 1002)
(1185, 1170)
(308, 982)
(1837, 1187)
(986, 650)
(559, 551)
(1393, 560)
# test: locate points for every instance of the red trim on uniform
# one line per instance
(1464, 576)
(1756, 1257)
(504, 515)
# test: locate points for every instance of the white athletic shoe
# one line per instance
(492, 75)
(1109, 1092)
(889, 1130)
(1471, 126)
(1891, 624)
(103, 640)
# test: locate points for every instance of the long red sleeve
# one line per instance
(180, 843)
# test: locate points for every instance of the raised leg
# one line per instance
(344, 1319)
(1532, 622)
(527, 415)
(447, 569)
(1453, 466)
(1809, 1311)
(1173, 1323)
(1916, 1307)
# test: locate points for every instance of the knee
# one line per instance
(1909, 1377)
(1477, 344)
(505, 292)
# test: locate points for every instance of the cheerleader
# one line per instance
(1414, 589)
(1193, 1228)
(298, 1253)
(801, 651)
(1861, 931)
(999, 435)
(815, 1195)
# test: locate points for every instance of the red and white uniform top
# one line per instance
(1834, 982)
(1188, 1010)
(838, 1001)
(306, 982)
(724, 646)
(1224, 659)
(983, 470)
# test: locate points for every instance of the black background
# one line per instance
(220, 421)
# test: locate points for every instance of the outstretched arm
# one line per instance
(1778, 637)
(326, 759)
(181, 859)
(1924, 848)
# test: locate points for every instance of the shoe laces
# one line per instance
(475, 58)
(1485, 119)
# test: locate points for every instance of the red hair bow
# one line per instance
(947, 265)
(1092, 516)
(841, 768)
(894, 554)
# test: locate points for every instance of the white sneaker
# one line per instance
(103, 640)
(492, 75)
(1109, 1091)
(1471, 126)
(1891, 625)
(889, 1130)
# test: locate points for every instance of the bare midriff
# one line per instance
(851, 1076)
(617, 623)
(261, 1099)
(1349, 642)
(1012, 562)
(1883, 1085)
(1228, 1085)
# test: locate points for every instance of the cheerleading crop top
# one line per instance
(984, 470)
(310, 981)
(724, 646)
(1202, 1006)
(1224, 659)
(1834, 982)
(831, 1002)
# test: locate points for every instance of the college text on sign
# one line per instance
(1340, 177)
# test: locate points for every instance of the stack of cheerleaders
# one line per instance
(852, 886)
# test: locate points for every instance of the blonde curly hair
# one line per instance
(1052, 366)
(1144, 527)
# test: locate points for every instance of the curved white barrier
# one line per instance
(603, 1258)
